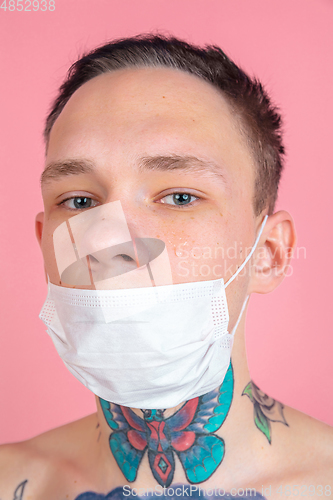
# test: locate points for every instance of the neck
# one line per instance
(202, 441)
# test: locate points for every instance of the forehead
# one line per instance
(148, 110)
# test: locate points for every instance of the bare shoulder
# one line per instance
(13, 476)
(308, 450)
(308, 431)
(36, 465)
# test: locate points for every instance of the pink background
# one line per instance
(288, 44)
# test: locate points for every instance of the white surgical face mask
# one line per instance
(149, 347)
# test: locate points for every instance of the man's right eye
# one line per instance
(78, 203)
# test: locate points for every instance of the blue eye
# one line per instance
(79, 203)
(179, 199)
(82, 202)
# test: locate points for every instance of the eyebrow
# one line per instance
(55, 171)
(187, 164)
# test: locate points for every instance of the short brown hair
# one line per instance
(258, 119)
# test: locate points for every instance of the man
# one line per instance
(179, 149)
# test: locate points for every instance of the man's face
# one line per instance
(130, 126)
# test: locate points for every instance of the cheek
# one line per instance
(199, 253)
(49, 257)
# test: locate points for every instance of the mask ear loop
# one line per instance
(239, 270)
(233, 331)
(250, 254)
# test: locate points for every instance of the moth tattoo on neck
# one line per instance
(187, 434)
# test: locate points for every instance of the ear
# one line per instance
(272, 257)
(39, 223)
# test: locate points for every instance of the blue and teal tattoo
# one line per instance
(188, 433)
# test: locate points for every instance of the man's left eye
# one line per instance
(79, 203)
(179, 199)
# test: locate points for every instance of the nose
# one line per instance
(103, 244)
(112, 261)
(116, 260)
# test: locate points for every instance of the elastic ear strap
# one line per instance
(240, 315)
(250, 254)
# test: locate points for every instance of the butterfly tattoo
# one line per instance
(188, 434)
